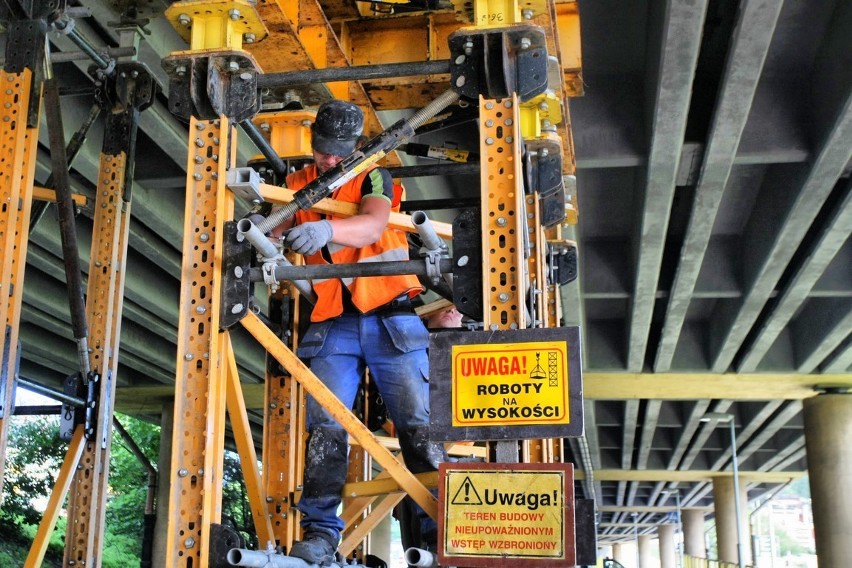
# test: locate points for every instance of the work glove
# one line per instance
(308, 238)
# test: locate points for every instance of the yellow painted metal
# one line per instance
(104, 302)
(288, 132)
(501, 187)
(245, 447)
(199, 428)
(339, 412)
(382, 485)
(44, 194)
(360, 532)
(401, 221)
(57, 497)
(568, 27)
(216, 25)
(283, 441)
(17, 169)
(544, 110)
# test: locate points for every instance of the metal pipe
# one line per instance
(112, 52)
(357, 270)
(424, 170)
(88, 49)
(37, 409)
(265, 148)
(420, 558)
(355, 73)
(270, 559)
(67, 226)
(50, 393)
(258, 240)
(431, 240)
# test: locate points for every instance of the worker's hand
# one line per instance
(308, 238)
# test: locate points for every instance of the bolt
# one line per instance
(489, 141)
(238, 271)
(246, 76)
(214, 175)
(501, 222)
(200, 126)
(201, 472)
(182, 472)
(237, 308)
(509, 139)
(249, 38)
(199, 142)
(543, 105)
(196, 176)
(188, 357)
(460, 59)
(489, 123)
(489, 106)
(180, 70)
(527, 13)
(204, 237)
(134, 73)
(503, 297)
(493, 327)
(468, 46)
(269, 499)
(460, 81)
(306, 123)
(189, 543)
(507, 104)
(184, 19)
(525, 43)
(463, 261)
(264, 126)
(200, 309)
(273, 405)
(509, 122)
(234, 14)
(233, 66)
(544, 152)
(199, 159)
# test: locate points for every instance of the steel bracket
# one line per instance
(496, 62)
(245, 182)
(563, 262)
(467, 263)
(210, 85)
(236, 286)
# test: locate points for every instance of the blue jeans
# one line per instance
(393, 347)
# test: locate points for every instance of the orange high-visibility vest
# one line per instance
(368, 293)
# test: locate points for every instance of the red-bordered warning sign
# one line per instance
(505, 515)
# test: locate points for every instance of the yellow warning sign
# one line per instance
(523, 512)
(510, 384)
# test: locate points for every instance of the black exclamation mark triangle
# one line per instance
(466, 495)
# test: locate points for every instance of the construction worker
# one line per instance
(356, 323)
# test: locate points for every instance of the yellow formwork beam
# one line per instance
(195, 475)
(104, 302)
(245, 447)
(17, 170)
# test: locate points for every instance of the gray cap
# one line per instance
(337, 127)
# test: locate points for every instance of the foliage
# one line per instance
(34, 450)
(800, 487)
(34, 456)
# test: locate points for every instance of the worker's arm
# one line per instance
(366, 227)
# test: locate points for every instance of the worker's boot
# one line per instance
(326, 461)
(421, 455)
(316, 547)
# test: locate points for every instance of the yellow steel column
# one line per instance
(504, 279)
(104, 302)
(17, 168)
(198, 444)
